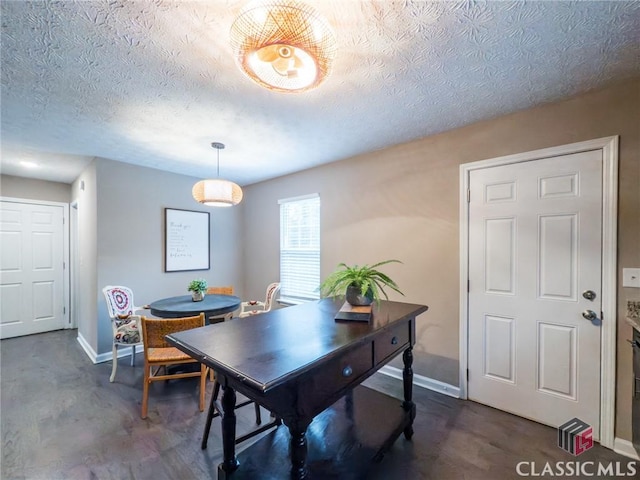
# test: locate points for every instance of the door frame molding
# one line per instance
(609, 148)
(65, 245)
(74, 244)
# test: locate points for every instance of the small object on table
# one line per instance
(351, 313)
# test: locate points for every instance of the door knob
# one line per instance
(590, 315)
(589, 294)
(634, 343)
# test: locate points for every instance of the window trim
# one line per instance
(299, 198)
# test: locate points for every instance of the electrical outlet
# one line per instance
(631, 277)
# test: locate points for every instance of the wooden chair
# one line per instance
(124, 322)
(254, 307)
(227, 290)
(158, 354)
(215, 409)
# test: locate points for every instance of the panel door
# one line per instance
(31, 269)
(535, 246)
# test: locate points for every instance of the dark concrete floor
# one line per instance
(60, 418)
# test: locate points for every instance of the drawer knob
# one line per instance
(347, 371)
(394, 341)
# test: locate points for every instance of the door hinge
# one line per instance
(64, 310)
(64, 265)
(468, 285)
(467, 374)
(469, 196)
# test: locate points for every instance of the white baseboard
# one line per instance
(106, 356)
(87, 348)
(621, 446)
(122, 352)
(625, 447)
(424, 382)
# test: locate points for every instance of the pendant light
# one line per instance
(283, 45)
(217, 192)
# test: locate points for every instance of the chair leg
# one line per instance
(216, 390)
(115, 363)
(133, 355)
(210, 413)
(203, 385)
(145, 390)
(258, 417)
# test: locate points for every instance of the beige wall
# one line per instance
(402, 202)
(32, 189)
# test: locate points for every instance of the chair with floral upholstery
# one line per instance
(255, 307)
(124, 321)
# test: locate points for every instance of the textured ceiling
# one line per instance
(154, 82)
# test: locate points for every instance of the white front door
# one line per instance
(535, 243)
(31, 268)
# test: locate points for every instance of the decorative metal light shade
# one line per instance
(283, 45)
(217, 192)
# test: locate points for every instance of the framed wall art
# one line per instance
(186, 240)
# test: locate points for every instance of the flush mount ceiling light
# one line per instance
(217, 192)
(283, 45)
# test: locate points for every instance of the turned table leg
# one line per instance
(298, 448)
(299, 455)
(407, 381)
(229, 462)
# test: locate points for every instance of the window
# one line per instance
(300, 248)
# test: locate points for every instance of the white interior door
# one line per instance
(31, 268)
(535, 244)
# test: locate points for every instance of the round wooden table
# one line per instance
(213, 305)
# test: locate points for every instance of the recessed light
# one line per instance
(26, 164)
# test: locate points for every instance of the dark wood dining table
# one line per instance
(306, 368)
(213, 305)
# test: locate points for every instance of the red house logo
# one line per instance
(575, 436)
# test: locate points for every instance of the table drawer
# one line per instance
(392, 341)
(336, 375)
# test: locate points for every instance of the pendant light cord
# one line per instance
(218, 146)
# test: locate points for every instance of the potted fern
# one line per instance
(361, 285)
(198, 287)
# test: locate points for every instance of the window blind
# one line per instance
(300, 248)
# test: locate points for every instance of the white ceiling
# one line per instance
(153, 83)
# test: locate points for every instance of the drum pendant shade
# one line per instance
(217, 192)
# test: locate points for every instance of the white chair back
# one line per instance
(119, 300)
(272, 291)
